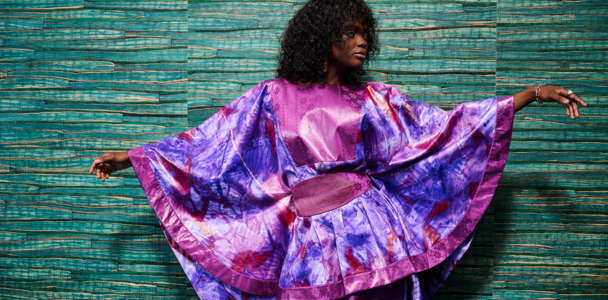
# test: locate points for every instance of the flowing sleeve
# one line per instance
(217, 193)
(440, 168)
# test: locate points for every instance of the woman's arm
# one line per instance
(550, 94)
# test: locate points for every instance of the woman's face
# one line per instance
(352, 52)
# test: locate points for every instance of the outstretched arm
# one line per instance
(550, 94)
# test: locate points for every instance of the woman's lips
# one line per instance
(360, 56)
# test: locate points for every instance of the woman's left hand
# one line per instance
(560, 95)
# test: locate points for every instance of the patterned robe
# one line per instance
(225, 191)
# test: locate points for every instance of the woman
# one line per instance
(312, 185)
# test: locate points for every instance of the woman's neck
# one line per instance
(334, 75)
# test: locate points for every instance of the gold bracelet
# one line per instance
(540, 103)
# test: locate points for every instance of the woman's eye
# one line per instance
(350, 34)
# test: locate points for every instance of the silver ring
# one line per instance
(570, 92)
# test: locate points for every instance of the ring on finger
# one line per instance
(570, 92)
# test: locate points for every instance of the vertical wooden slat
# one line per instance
(78, 79)
(550, 237)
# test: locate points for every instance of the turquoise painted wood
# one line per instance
(80, 78)
(550, 229)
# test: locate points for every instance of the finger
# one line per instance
(105, 172)
(578, 99)
(566, 107)
(563, 100)
(571, 111)
(575, 109)
(93, 164)
(98, 172)
(108, 170)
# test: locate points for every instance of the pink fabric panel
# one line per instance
(328, 191)
(304, 120)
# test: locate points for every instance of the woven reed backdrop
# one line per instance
(78, 78)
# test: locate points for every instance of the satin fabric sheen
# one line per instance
(222, 191)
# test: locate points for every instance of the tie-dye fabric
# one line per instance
(222, 191)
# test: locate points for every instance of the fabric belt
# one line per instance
(326, 192)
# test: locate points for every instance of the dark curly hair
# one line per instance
(306, 43)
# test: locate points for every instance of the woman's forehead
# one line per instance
(357, 22)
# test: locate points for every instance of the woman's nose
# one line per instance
(362, 43)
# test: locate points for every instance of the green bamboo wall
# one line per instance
(78, 78)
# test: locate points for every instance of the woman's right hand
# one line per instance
(110, 162)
